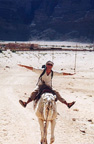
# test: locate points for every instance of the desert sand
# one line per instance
(19, 125)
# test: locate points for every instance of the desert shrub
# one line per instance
(14, 51)
(0, 51)
(68, 46)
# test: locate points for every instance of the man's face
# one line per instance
(49, 66)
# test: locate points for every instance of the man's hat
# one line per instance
(50, 62)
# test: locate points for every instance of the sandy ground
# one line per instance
(19, 125)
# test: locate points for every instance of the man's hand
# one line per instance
(20, 65)
(72, 74)
(68, 74)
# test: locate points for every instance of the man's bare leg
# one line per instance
(69, 105)
(24, 104)
(31, 98)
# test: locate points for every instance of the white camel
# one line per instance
(46, 111)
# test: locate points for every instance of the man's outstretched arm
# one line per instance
(36, 70)
(56, 73)
(68, 73)
(28, 67)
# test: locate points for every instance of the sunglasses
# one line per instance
(49, 64)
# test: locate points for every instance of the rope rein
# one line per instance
(45, 124)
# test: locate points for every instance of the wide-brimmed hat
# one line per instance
(50, 62)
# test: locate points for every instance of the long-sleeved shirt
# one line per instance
(46, 78)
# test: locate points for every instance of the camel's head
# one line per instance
(49, 100)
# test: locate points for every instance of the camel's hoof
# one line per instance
(52, 140)
(40, 142)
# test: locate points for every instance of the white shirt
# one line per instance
(46, 78)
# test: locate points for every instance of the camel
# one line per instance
(46, 111)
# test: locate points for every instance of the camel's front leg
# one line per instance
(53, 123)
(41, 123)
(45, 131)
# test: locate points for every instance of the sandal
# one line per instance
(71, 104)
(22, 103)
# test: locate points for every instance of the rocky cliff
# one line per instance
(47, 20)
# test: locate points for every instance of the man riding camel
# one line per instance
(45, 80)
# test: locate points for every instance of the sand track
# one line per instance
(20, 126)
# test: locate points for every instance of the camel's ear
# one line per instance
(53, 97)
